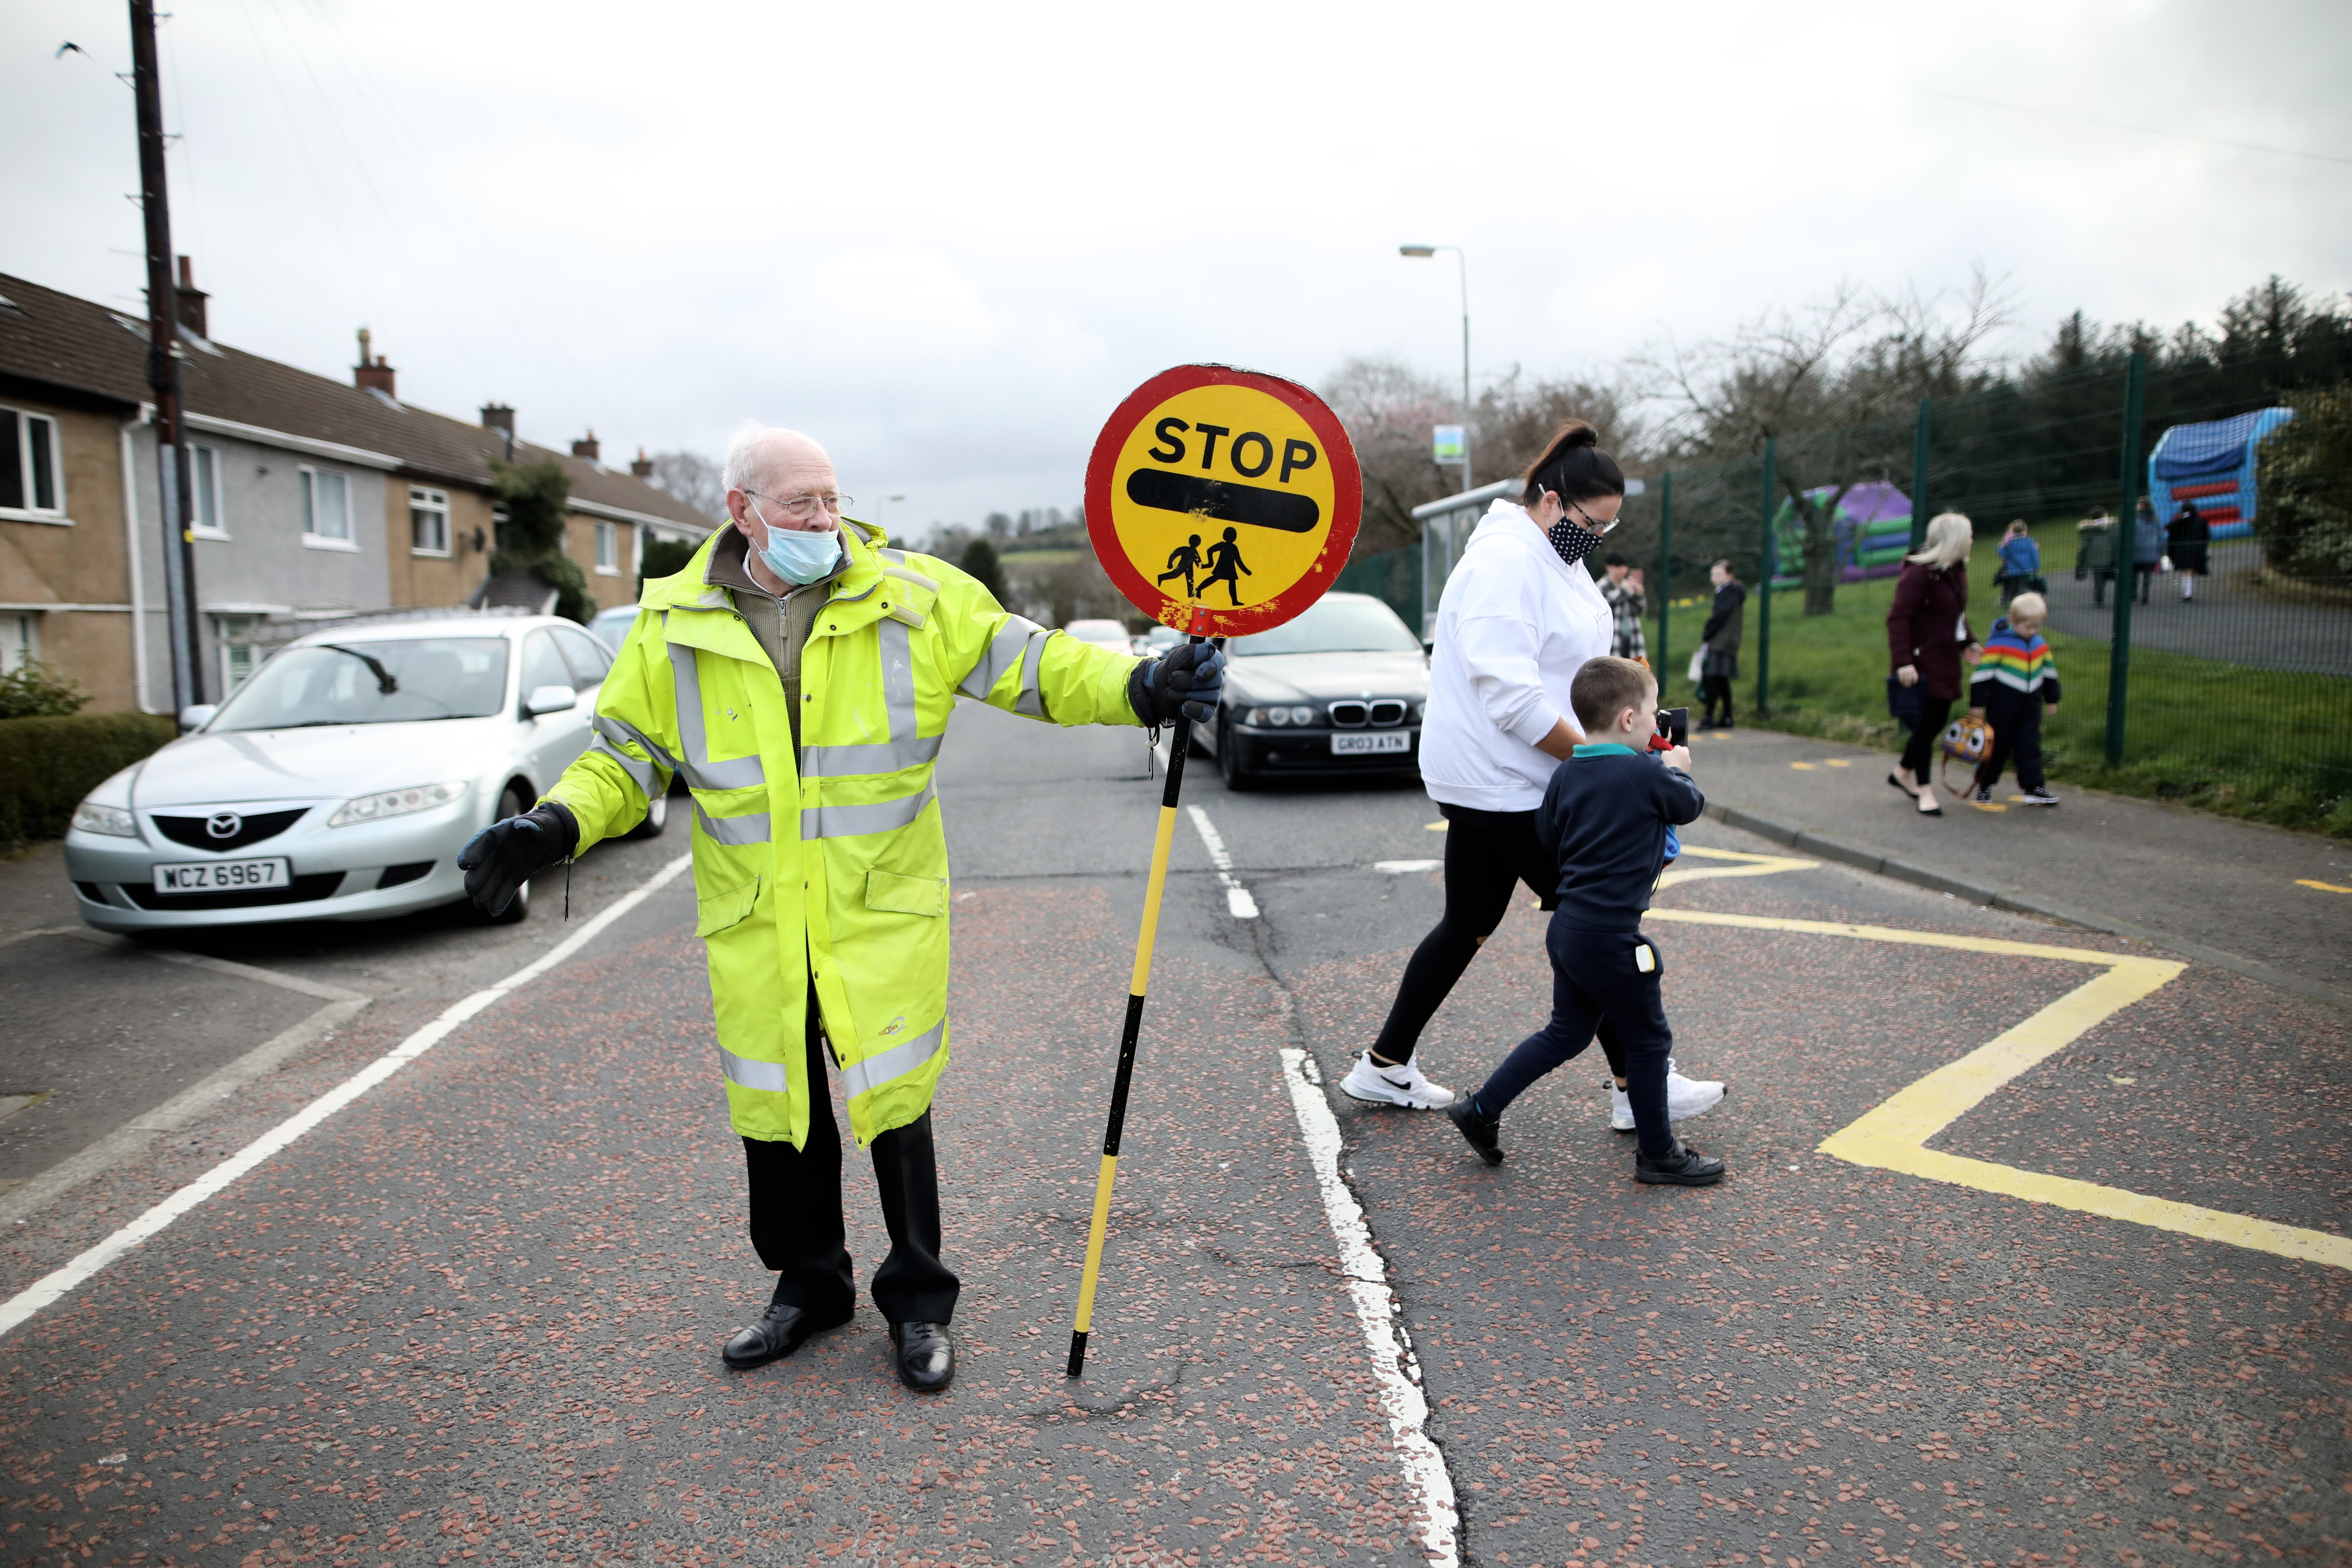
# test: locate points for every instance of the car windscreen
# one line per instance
(372, 683)
(1333, 626)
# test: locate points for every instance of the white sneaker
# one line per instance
(1400, 1085)
(1686, 1098)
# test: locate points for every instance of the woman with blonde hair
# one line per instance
(1927, 637)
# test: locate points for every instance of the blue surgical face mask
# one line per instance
(797, 557)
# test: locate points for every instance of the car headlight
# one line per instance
(396, 803)
(113, 821)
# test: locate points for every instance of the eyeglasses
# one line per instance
(801, 508)
(1597, 525)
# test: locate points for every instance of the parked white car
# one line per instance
(1110, 635)
(610, 626)
(343, 778)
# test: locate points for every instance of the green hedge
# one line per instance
(46, 765)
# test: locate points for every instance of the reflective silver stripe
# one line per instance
(908, 574)
(745, 1073)
(643, 774)
(851, 821)
(1003, 649)
(897, 1062)
(701, 772)
(751, 828)
(1032, 700)
(897, 680)
(879, 757)
(620, 731)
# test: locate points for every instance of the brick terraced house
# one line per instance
(314, 499)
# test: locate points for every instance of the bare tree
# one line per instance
(693, 479)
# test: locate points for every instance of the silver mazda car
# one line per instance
(342, 779)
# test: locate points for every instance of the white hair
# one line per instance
(747, 457)
(1950, 538)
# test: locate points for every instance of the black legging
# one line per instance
(1920, 751)
(1714, 692)
(1487, 853)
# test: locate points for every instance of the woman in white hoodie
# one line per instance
(1519, 617)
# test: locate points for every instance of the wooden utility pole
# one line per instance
(163, 356)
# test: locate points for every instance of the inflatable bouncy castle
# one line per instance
(1873, 527)
(2213, 465)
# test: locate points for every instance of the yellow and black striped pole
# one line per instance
(1177, 746)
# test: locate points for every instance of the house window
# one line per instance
(608, 549)
(428, 521)
(326, 508)
(30, 464)
(20, 642)
(204, 470)
(238, 657)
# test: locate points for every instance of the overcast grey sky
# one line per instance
(947, 239)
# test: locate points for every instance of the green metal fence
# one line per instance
(2234, 686)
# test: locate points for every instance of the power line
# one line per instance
(326, 201)
(2119, 125)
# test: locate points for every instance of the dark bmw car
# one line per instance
(1338, 690)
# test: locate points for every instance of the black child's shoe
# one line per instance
(781, 1330)
(1680, 1166)
(926, 1355)
(1482, 1131)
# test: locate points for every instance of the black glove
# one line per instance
(1189, 679)
(504, 856)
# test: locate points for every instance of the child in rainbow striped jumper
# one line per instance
(2014, 680)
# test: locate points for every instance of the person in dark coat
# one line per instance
(1927, 637)
(1719, 661)
(2188, 538)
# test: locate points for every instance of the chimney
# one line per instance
(585, 446)
(499, 416)
(642, 468)
(192, 299)
(372, 373)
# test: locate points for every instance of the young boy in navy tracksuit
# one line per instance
(1608, 816)
(2015, 682)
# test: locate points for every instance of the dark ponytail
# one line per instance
(1574, 467)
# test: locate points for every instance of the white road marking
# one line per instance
(1238, 901)
(1394, 1366)
(53, 1286)
(1405, 867)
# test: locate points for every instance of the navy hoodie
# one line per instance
(1604, 818)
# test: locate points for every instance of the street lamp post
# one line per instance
(1423, 252)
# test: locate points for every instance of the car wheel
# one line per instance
(1237, 777)
(514, 802)
(656, 818)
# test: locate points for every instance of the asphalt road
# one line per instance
(476, 1312)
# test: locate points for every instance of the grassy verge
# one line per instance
(2259, 744)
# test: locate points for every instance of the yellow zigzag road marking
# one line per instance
(1749, 865)
(1892, 1136)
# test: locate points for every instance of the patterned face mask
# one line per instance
(1573, 543)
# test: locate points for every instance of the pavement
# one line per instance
(2228, 619)
(2236, 894)
(474, 1313)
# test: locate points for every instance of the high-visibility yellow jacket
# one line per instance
(829, 865)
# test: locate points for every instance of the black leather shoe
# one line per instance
(1680, 1166)
(926, 1355)
(781, 1330)
(1482, 1131)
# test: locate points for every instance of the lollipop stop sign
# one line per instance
(1223, 501)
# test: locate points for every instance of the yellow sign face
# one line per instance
(1223, 501)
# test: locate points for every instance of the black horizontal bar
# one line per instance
(1222, 501)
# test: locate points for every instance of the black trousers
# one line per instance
(1920, 751)
(2016, 721)
(1715, 697)
(796, 1224)
(1598, 981)
(1487, 853)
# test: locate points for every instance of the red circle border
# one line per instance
(1347, 504)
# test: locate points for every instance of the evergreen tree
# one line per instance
(981, 564)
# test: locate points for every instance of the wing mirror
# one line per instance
(549, 699)
(197, 715)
